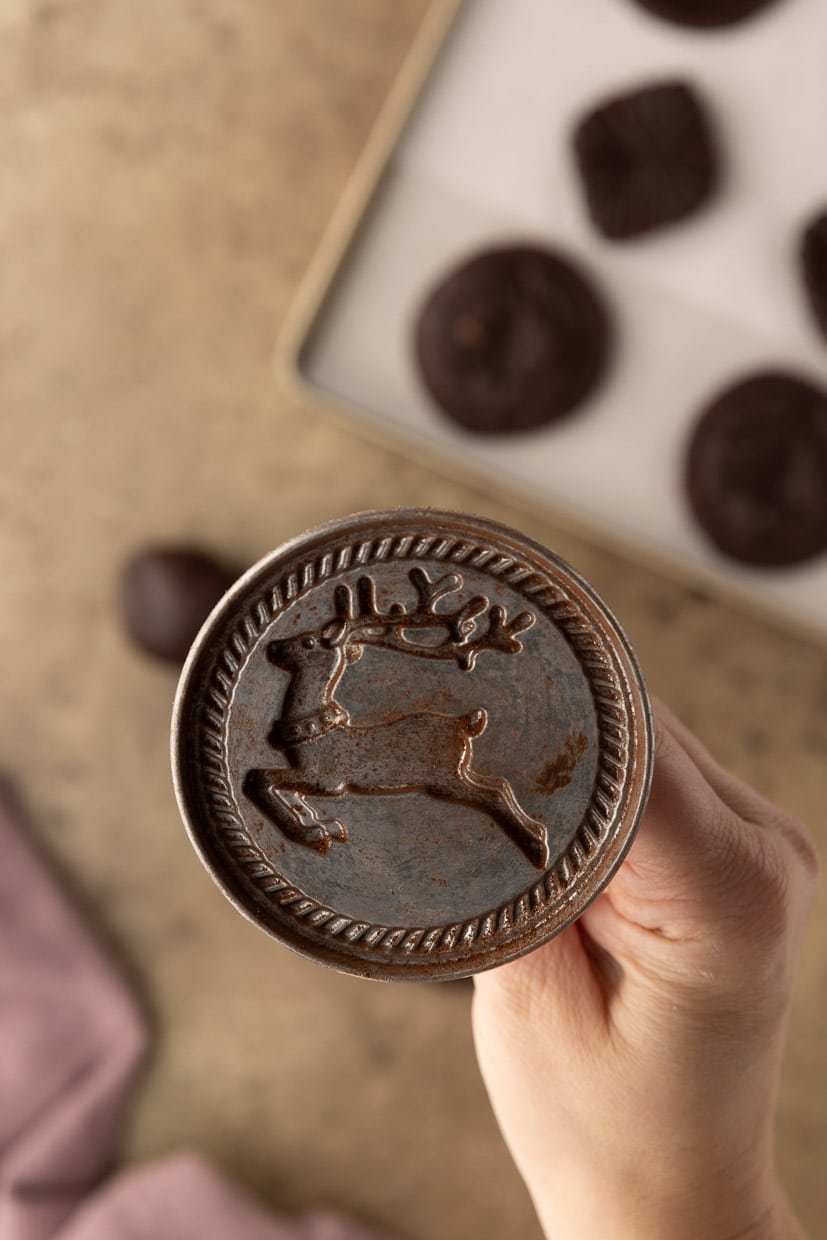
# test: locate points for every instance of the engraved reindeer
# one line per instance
(426, 752)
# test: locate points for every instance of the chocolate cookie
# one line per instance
(756, 470)
(814, 268)
(512, 340)
(646, 159)
(166, 594)
(704, 14)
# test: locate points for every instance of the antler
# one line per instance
(366, 624)
(500, 635)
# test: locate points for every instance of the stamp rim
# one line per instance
(253, 884)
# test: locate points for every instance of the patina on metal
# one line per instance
(412, 744)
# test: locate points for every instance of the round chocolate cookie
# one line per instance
(814, 268)
(704, 14)
(647, 159)
(166, 594)
(756, 470)
(513, 339)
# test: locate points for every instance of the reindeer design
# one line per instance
(423, 752)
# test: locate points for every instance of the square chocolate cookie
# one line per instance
(646, 159)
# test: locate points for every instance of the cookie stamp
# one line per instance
(411, 744)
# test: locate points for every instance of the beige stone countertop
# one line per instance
(168, 169)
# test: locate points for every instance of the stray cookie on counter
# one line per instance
(166, 594)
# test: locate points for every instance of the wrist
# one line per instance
(725, 1199)
(643, 1219)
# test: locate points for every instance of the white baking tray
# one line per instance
(474, 151)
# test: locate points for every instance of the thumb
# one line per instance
(695, 862)
(709, 895)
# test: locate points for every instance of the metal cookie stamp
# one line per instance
(411, 744)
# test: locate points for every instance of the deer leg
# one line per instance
(277, 793)
(496, 798)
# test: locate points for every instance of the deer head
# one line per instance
(325, 647)
(359, 622)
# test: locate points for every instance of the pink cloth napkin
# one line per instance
(71, 1039)
(184, 1198)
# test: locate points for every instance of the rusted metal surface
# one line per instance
(411, 744)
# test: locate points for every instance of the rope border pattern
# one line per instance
(594, 655)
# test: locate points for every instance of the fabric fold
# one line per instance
(71, 1040)
(184, 1197)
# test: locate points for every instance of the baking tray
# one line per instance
(473, 150)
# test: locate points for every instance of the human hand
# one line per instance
(633, 1061)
